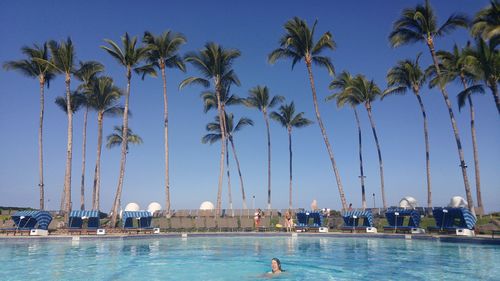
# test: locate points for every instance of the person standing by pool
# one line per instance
(257, 217)
(288, 221)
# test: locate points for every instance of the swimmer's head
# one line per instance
(276, 265)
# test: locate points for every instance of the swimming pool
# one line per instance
(247, 258)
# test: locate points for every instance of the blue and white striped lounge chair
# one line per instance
(145, 224)
(303, 219)
(128, 218)
(352, 220)
(396, 218)
(452, 219)
(27, 220)
(317, 221)
(76, 218)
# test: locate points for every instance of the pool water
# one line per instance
(247, 258)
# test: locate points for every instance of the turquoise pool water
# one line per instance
(247, 258)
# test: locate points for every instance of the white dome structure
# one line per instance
(132, 207)
(153, 207)
(408, 202)
(457, 202)
(207, 205)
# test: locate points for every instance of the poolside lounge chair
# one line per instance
(247, 224)
(396, 218)
(265, 224)
(187, 224)
(92, 225)
(25, 221)
(128, 218)
(352, 221)
(175, 224)
(316, 223)
(75, 225)
(302, 220)
(76, 219)
(145, 225)
(199, 224)
(228, 224)
(453, 220)
(308, 221)
(211, 224)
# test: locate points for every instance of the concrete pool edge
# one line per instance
(438, 238)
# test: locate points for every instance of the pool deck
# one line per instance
(478, 239)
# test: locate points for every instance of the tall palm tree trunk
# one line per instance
(379, 152)
(427, 151)
(117, 201)
(474, 149)
(268, 161)
(63, 198)
(325, 137)
(476, 157)
(230, 197)
(468, 193)
(165, 125)
(239, 173)
(97, 171)
(290, 152)
(69, 152)
(222, 125)
(40, 143)
(84, 148)
(362, 175)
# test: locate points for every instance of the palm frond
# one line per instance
(77, 100)
(465, 94)
(194, 81)
(398, 90)
(324, 62)
(148, 69)
(282, 53)
(453, 22)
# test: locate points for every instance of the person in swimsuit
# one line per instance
(257, 217)
(288, 221)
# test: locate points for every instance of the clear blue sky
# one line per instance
(360, 30)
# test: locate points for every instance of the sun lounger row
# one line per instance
(176, 224)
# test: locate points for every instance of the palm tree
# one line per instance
(288, 119)
(419, 24)
(32, 67)
(86, 73)
(210, 102)
(362, 91)
(405, 76)
(297, 44)
(129, 56)
(116, 138)
(484, 62)
(63, 61)
(342, 81)
(258, 98)
(486, 23)
(77, 100)
(162, 53)
(215, 63)
(103, 97)
(454, 67)
(215, 135)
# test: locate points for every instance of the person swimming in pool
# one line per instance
(276, 266)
